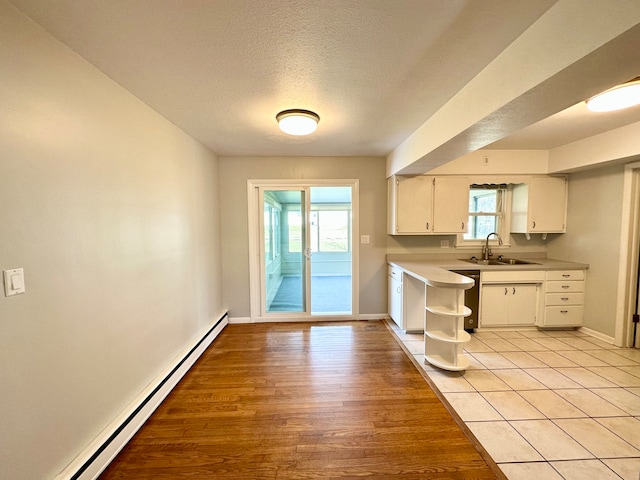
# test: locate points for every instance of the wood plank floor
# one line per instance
(301, 401)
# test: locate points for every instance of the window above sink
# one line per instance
(488, 212)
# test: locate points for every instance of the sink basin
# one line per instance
(516, 261)
(482, 262)
(500, 261)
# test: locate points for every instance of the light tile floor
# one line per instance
(547, 404)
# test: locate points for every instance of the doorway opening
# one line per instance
(303, 254)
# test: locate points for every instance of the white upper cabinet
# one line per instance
(422, 204)
(540, 206)
(410, 209)
(450, 204)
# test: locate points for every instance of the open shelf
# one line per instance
(461, 362)
(444, 334)
(459, 336)
(448, 311)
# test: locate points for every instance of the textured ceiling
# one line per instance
(374, 70)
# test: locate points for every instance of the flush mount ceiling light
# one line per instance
(298, 122)
(616, 98)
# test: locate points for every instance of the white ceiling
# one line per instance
(374, 70)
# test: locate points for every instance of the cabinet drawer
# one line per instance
(559, 287)
(564, 299)
(563, 316)
(565, 275)
(518, 276)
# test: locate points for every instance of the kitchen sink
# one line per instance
(482, 262)
(499, 261)
(516, 261)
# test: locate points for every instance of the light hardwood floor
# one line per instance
(302, 401)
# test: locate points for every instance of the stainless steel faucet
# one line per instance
(486, 251)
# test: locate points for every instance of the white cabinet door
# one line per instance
(523, 304)
(395, 300)
(450, 204)
(539, 206)
(548, 204)
(413, 205)
(495, 305)
(509, 304)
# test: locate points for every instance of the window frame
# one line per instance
(504, 226)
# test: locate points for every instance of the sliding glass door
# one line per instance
(305, 250)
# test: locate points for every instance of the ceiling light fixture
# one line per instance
(298, 122)
(616, 98)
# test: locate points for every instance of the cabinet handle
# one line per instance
(564, 298)
(427, 225)
(514, 290)
(564, 311)
(398, 290)
(565, 286)
(534, 224)
(463, 226)
(506, 291)
(566, 275)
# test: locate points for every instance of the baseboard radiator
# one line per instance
(97, 456)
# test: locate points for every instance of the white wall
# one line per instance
(594, 224)
(234, 173)
(113, 214)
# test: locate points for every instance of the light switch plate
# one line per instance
(13, 282)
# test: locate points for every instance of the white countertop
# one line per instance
(436, 272)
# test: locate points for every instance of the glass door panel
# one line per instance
(330, 227)
(284, 250)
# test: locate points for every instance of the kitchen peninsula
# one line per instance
(426, 295)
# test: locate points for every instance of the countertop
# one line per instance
(437, 272)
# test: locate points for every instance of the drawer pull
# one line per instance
(564, 298)
(566, 275)
(564, 311)
(565, 286)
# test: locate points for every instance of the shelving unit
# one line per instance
(444, 334)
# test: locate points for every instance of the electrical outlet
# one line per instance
(444, 243)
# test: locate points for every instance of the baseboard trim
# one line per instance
(97, 456)
(598, 335)
(337, 318)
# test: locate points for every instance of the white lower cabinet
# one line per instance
(509, 304)
(510, 298)
(406, 300)
(395, 295)
(563, 299)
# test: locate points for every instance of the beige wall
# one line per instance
(594, 223)
(234, 173)
(113, 214)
